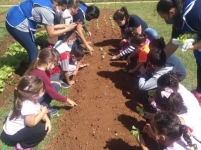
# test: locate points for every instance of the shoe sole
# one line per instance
(65, 87)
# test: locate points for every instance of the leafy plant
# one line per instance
(100, 48)
(100, 67)
(90, 52)
(136, 132)
(140, 111)
(124, 69)
(87, 64)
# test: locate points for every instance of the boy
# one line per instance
(157, 61)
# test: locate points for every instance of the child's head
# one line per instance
(121, 16)
(73, 6)
(59, 4)
(157, 43)
(47, 58)
(70, 37)
(157, 58)
(168, 100)
(77, 52)
(138, 41)
(168, 129)
(129, 33)
(168, 80)
(29, 88)
(92, 12)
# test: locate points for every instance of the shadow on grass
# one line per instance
(119, 144)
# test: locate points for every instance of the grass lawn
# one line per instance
(146, 12)
(3, 30)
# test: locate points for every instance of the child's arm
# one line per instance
(48, 124)
(77, 68)
(32, 120)
(68, 79)
(116, 57)
(130, 56)
(86, 30)
(139, 65)
(79, 30)
(147, 85)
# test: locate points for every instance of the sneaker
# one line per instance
(197, 95)
(52, 111)
(65, 85)
(18, 147)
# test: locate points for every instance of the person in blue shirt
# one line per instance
(88, 13)
(185, 17)
(21, 21)
(124, 20)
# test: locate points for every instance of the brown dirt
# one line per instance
(106, 99)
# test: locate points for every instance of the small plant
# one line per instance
(136, 132)
(100, 67)
(100, 48)
(109, 62)
(124, 69)
(87, 64)
(103, 55)
(90, 52)
(140, 111)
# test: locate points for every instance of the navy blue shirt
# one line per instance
(80, 16)
(135, 22)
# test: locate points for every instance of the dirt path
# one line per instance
(106, 96)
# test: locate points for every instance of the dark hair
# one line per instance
(77, 51)
(93, 11)
(27, 87)
(120, 14)
(44, 56)
(73, 3)
(157, 43)
(169, 124)
(70, 35)
(129, 32)
(157, 57)
(60, 2)
(164, 7)
(172, 103)
(168, 80)
(138, 39)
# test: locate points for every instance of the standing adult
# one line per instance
(185, 17)
(124, 20)
(88, 13)
(22, 19)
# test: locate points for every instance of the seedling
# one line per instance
(87, 64)
(109, 62)
(103, 55)
(124, 69)
(140, 111)
(97, 20)
(100, 48)
(136, 132)
(100, 67)
(90, 52)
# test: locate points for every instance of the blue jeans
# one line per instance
(25, 39)
(46, 99)
(151, 33)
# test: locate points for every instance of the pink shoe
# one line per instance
(197, 95)
(18, 147)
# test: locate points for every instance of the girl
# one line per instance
(141, 49)
(22, 19)
(170, 132)
(168, 100)
(124, 20)
(27, 124)
(127, 49)
(46, 61)
(172, 60)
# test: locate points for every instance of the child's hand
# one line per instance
(115, 57)
(89, 47)
(88, 33)
(44, 109)
(143, 70)
(148, 130)
(71, 102)
(72, 82)
(74, 73)
(48, 126)
(131, 71)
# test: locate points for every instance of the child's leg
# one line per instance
(29, 136)
(55, 77)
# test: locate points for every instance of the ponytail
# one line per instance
(120, 14)
(184, 130)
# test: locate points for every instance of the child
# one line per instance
(157, 60)
(141, 49)
(172, 60)
(40, 67)
(27, 124)
(170, 132)
(127, 49)
(168, 100)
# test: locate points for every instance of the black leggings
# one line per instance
(198, 77)
(26, 137)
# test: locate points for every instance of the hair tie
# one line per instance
(26, 88)
(167, 92)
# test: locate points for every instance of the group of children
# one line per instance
(173, 113)
(174, 124)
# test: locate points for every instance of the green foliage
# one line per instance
(136, 132)
(41, 37)
(140, 111)
(182, 38)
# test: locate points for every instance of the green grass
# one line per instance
(3, 30)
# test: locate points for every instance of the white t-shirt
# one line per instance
(66, 17)
(13, 126)
(62, 47)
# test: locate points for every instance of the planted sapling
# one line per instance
(100, 48)
(87, 64)
(124, 69)
(136, 132)
(140, 111)
(100, 67)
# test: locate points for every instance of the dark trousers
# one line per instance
(198, 77)
(25, 39)
(46, 99)
(26, 137)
